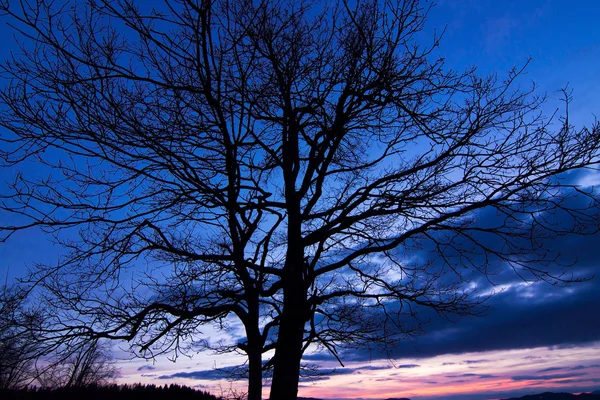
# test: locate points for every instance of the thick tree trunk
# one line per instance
(254, 375)
(288, 350)
(288, 353)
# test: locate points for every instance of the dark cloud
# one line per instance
(470, 362)
(241, 371)
(341, 371)
(566, 368)
(199, 386)
(146, 368)
(385, 379)
(305, 379)
(318, 357)
(521, 315)
(408, 366)
(551, 369)
(372, 367)
(579, 367)
(357, 370)
(512, 322)
(469, 375)
(326, 373)
(566, 319)
(211, 374)
(545, 377)
(583, 380)
(205, 374)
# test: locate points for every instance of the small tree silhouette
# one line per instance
(18, 351)
(90, 364)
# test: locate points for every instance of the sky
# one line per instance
(535, 337)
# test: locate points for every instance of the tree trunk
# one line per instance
(254, 375)
(288, 350)
(255, 346)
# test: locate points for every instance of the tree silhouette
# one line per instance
(26, 360)
(115, 392)
(274, 163)
(89, 364)
(17, 351)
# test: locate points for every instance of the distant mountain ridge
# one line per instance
(595, 395)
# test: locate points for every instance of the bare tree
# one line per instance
(16, 366)
(90, 364)
(275, 163)
(25, 360)
(18, 350)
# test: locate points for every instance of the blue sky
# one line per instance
(561, 37)
(535, 337)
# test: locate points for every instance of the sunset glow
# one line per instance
(482, 375)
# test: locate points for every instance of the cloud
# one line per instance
(240, 371)
(372, 368)
(522, 314)
(514, 324)
(323, 374)
(146, 368)
(486, 376)
(211, 374)
(200, 386)
(551, 369)
(580, 367)
(470, 362)
(340, 371)
(583, 380)
(314, 378)
(470, 375)
(566, 368)
(566, 319)
(545, 377)
(408, 366)
(318, 357)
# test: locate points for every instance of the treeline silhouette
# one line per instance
(112, 392)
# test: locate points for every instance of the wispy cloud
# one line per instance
(545, 377)
(408, 366)
(146, 368)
